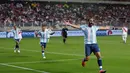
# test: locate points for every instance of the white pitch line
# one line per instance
(24, 68)
(49, 52)
(62, 60)
(67, 54)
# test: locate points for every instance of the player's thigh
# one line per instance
(88, 50)
(125, 36)
(98, 54)
(43, 45)
(17, 41)
(65, 36)
(96, 50)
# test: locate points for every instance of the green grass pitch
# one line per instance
(64, 58)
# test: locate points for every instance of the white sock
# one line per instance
(125, 40)
(43, 54)
(100, 67)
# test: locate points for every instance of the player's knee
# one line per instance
(17, 43)
(98, 55)
(99, 58)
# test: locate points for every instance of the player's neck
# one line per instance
(43, 30)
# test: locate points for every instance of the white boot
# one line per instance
(18, 51)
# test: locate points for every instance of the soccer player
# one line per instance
(20, 35)
(16, 31)
(49, 33)
(124, 33)
(43, 39)
(90, 42)
(64, 34)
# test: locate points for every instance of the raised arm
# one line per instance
(103, 28)
(72, 25)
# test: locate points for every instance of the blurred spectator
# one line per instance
(55, 13)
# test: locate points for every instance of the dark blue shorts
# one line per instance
(17, 40)
(43, 44)
(89, 48)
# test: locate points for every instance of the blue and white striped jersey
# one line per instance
(43, 36)
(89, 34)
(16, 33)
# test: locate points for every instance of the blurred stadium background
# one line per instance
(30, 14)
(63, 58)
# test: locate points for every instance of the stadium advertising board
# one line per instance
(24, 34)
(2, 34)
(114, 32)
(58, 33)
(27, 34)
(101, 33)
(70, 33)
(9, 35)
(79, 33)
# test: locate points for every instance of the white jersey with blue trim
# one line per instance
(43, 36)
(89, 34)
(16, 33)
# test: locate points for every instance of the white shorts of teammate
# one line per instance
(48, 37)
(124, 37)
(20, 37)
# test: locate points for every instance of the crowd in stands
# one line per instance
(35, 13)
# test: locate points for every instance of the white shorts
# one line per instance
(20, 38)
(124, 35)
(48, 37)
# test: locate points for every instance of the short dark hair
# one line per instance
(44, 25)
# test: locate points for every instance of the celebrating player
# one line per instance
(90, 42)
(124, 33)
(43, 39)
(16, 32)
(64, 34)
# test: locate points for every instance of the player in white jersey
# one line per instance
(49, 33)
(124, 33)
(16, 31)
(90, 42)
(43, 39)
(20, 35)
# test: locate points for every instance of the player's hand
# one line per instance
(67, 23)
(36, 33)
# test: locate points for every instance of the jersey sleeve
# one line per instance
(83, 27)
(12, 30)
(39, 32)
(96, 27)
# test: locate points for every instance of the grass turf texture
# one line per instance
(64, 58)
